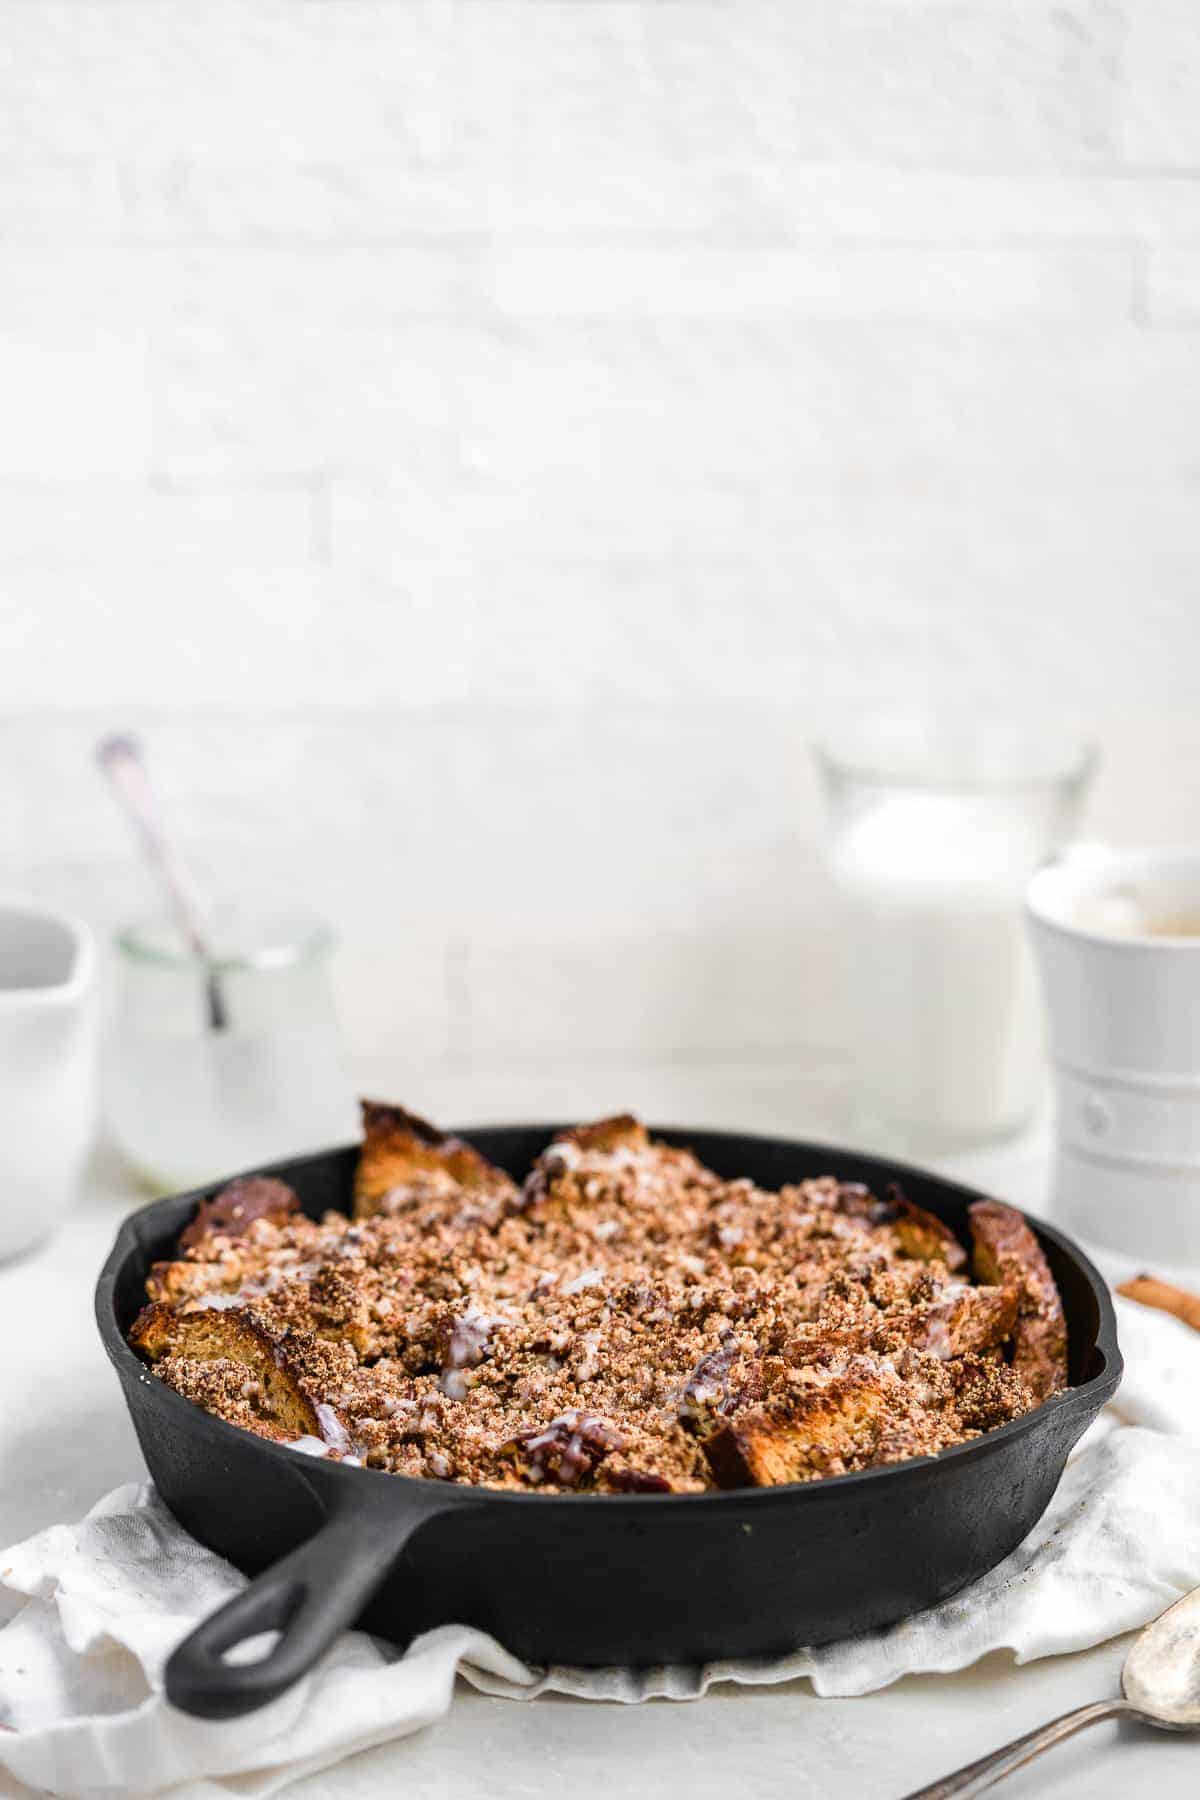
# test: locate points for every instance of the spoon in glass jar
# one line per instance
(1160, 1685)
(122, 761)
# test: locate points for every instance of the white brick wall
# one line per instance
(477, 442)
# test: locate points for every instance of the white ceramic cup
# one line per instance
(47, 1068)
(1117, 937)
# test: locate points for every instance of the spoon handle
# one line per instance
(121, 760)
(977, 1776)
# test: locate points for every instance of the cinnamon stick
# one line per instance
(1148, 1290)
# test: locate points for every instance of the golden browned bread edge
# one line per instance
(621, 1131)
(923, 1236)
(1006, 1254)
(231, 1212)
(230, 1334)
(400, 1146)
(764, 1447)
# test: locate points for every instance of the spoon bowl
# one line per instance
(1161, 1677)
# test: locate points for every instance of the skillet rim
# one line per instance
(1087, 1397)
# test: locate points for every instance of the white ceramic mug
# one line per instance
(47, 1068)
(1117, 937)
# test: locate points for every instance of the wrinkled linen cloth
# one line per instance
(94, 1609)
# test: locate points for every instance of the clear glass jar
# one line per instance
(934, 831)
(190, 1102)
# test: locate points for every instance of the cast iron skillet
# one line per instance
(631, 1579)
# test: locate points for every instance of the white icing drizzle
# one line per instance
(333, 1431)
(589, 1363)
(219, 1301)
(465, 1349)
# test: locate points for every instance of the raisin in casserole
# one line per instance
(625, 1321)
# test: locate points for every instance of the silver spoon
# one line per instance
(121, 759)
(1160, 1683)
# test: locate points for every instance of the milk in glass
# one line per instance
(931, 848)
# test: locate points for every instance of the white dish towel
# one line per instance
(94, 1609)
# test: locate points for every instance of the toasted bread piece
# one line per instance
(1008, 1255)
(604, 1147)
(230, 1213)
(400, 1149)
(609, 1162)
(923, 1236)
(966, 1321)
(187, 1280)
(918, 1234)
(232, 1335)
(621, 1132)
(225, 1388)
(823, 1431)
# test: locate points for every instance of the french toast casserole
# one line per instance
(625, 1321)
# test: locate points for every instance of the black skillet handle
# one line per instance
(309, 1598)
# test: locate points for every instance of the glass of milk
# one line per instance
(190, 1103)
(934, 832)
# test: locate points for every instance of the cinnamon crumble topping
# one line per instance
(625, 1321)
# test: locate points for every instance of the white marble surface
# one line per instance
(65, 1439)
